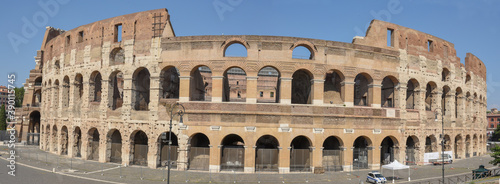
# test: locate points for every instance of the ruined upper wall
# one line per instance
(414, 42)
(475, 65)
(135, 26)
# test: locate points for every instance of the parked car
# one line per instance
(375, 177)
(447, 159)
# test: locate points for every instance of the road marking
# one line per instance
(103, 170)
(439, 177)
(80, 177)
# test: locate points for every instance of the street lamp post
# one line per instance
(180, 113)
(442, 141)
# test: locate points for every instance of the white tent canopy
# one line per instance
(395, 165)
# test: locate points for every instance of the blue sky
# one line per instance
(473, 26)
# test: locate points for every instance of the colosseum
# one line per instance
(108, 91)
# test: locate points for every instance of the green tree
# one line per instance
(3, 118)
(496, 135)
(496, 155)
(19, 96)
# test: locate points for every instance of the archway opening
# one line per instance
(115, 92)
(117, 56)
(141, 89)
(235, 50)
(361, 95)
(332, 89)
(65, 93)
(33, 135)
(360, 153)
(267, 154)
(37, 98)
(199, 152)
(333, 157)
(447, 143)
(430, 94)
(64, 140)
(412, 150)
(300, 154)
(77, 145)
(169, 80)
(388, 150)
(268, 85)
(55, 138)
(232, 153)
(93, 147)
(139, 150)
(458, 147)
(95, 87)
(411, 96)
(200, 84)
(114, 146)
(301, 87)
(387, 92)
(302, 52)
(430, 144)
(467, 146)
(165, 151)
(234, 85)
(48, 143)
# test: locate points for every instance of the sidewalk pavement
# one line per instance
(33, 156)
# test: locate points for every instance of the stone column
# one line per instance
(347, 153)
(85, 144)
(347, 92)
(284, 160)
(103, 141)
(286, 90)
(184, 88)
(71, 141)
(154, 96)
(249, 159)
(105, 101)
(317, 91)
(126, 148)
(214, 165)
(317, 158)
(127, 98)
(217, 85)
(152, 152)
(436, 105)
(400, 96)
(252, 89)
(374, 95)
(374, 157)
(450, 106)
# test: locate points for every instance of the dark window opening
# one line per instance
(68, 40)
(261, 94)
(430, 47)
(80, 36)
(272, 94)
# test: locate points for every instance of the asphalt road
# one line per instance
(33, 176)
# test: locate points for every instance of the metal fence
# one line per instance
(140, 154)
(116, 153)
(333, 160)
(94, 150)
(300, 160)
(266, 160)
(410, 156)
(173, 156)
(360, 158)
(199, 158)
(5, 135)
(232, 159)
(33, 139)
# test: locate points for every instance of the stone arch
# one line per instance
(361, 92)
(232, 153)
(459, 149)
(33, 135)
(467, 146)
(333, 157)
(332, 87)
(93, 144)
(430, 96)
(430, 144)
(115, 90)
(56, 94)
(64, 140)
(412, 150)
(199, 152)
(232, 41)
(234, 85)
(475, 143)
(169, 82)
(55, 138)
(77, 144)
(361, 152)
(445, 75)
(78, 89)
(411, 93)
(458, 102)
(95, 86)
(48, 143)
(235, 49)
(141, 89)
(139, 148)
(38, 81)
(268, 85)
(166, 153)
(445, 100)
(114, 146)
(303, 46)
(57, 66)
(65, 93)
(467, 79)
(200, 85)
(389, 150)
(37, 98)
(267, 154)
(117, 56)
(300, 154)
(301, 87)
(447, 143)
(388, 92)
